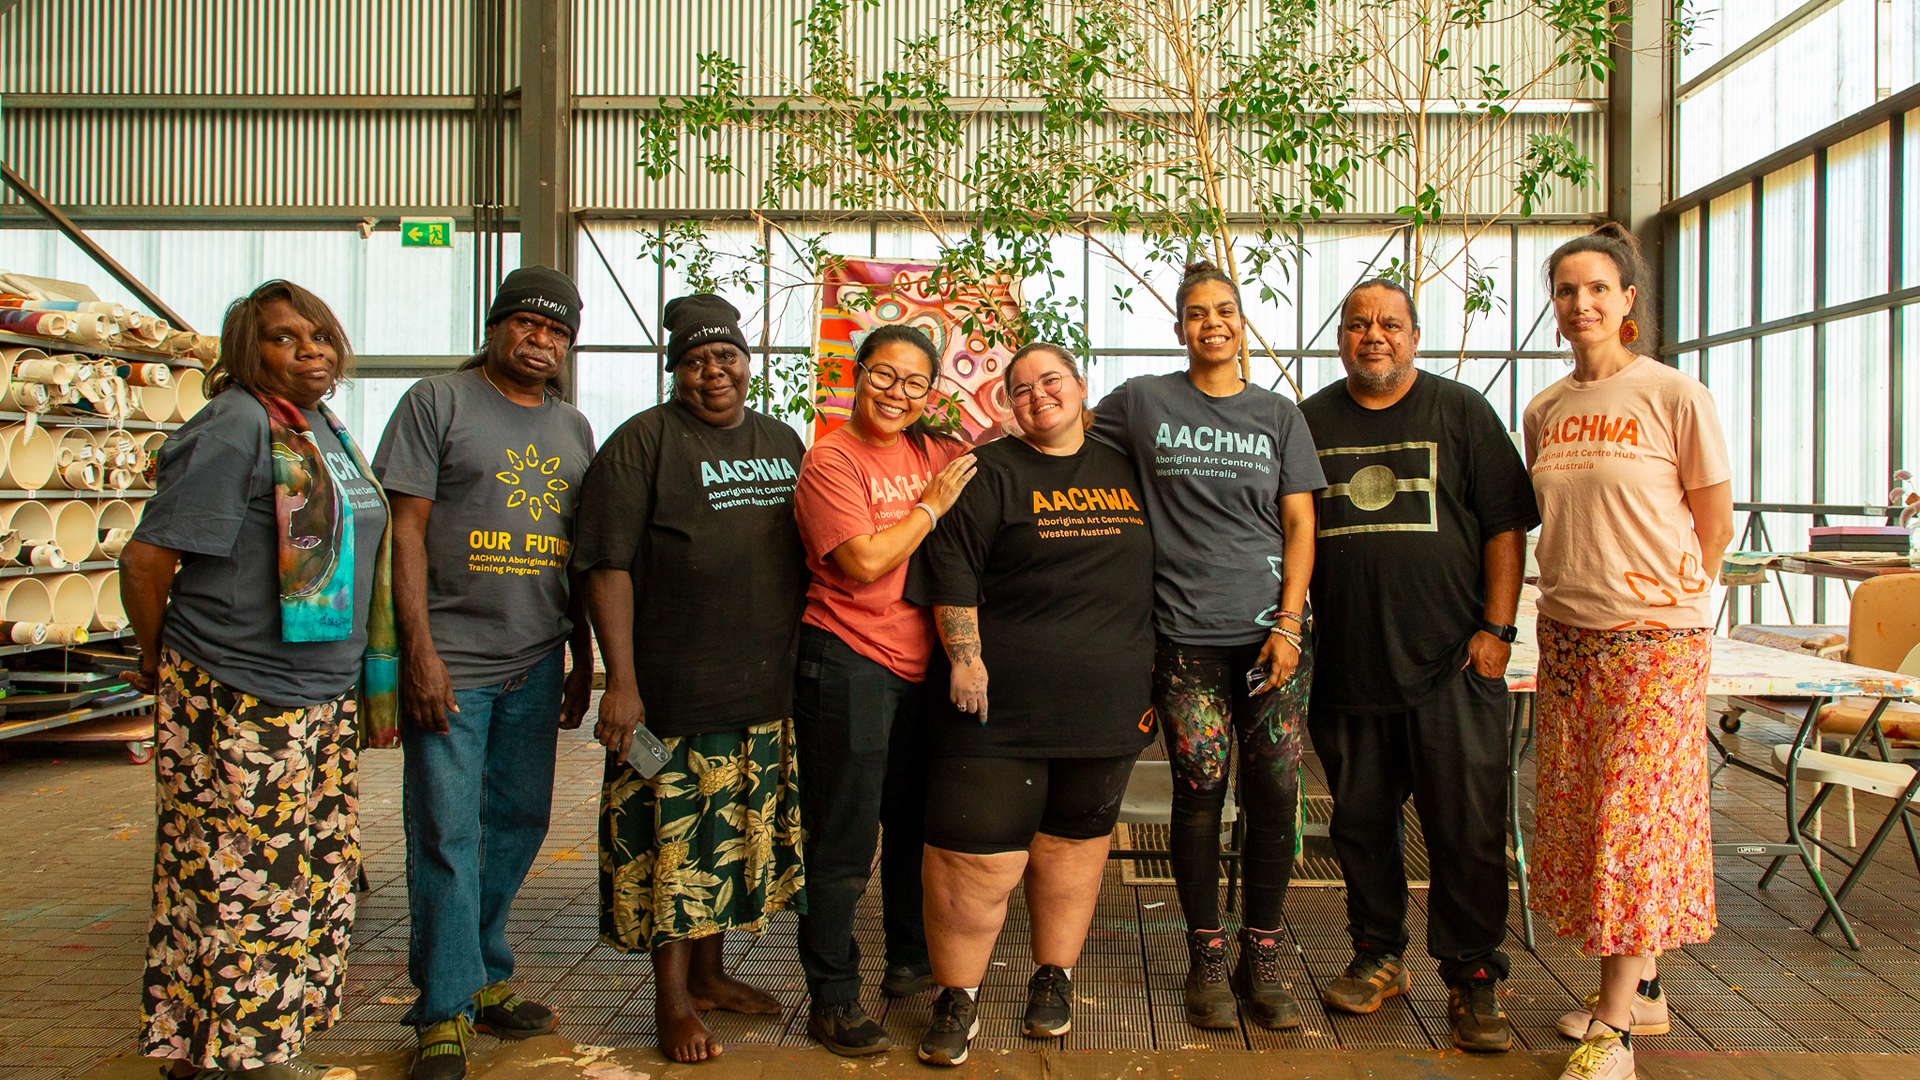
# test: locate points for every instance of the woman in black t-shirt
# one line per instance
(1042, 574)
(696, 581)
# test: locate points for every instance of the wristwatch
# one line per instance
(1507, 634)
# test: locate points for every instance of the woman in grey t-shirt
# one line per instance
(257, 588)
(1229, 471)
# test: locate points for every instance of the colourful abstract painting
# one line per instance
(857, 295)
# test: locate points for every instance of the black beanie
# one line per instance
(540, 291)
(700, 319)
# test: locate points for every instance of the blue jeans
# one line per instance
(476, 801)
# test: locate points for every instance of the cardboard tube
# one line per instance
(146, 374)
(28, 517)
(189, 398)
(25, 599)
(118, 480)
(52, 324)
(9, 545)
(23, 633)
(45, 370)
(113, 542)
(79, 476)
(115, 515)
(72, 600)
(67, 633)
(29, 458)
(119, 450)
(154, 402)
(47, 556)
(74, 444)
(28, 397)
(149, 459)
(76, 528)
(108, 614)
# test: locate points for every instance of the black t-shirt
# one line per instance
(702, 517)
(1413, 492)
(1056, 554)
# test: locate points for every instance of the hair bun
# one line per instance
(1198, 267)
(1613, 230)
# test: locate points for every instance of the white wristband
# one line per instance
(931, 516)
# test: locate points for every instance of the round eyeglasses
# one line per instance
(882, 377)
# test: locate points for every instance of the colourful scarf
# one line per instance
(317, 564)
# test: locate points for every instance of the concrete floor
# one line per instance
(1764, 998)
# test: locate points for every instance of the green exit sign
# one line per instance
(426, 232)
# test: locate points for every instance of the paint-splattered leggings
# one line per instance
(1200, 698)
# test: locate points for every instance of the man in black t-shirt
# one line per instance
(1421, 541)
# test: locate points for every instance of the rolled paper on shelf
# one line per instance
(91, 328)
(146, 374)
(118, 449)
(116, 516)
(28, 397)
(79, 476)
(74, 444)
(9, 545)
(47, 557)
(23, 633)
(108, 614)
(205, 349)
(112, 311)
(67, 633)
(188, 386)
(149, 465)
(51, 324)
(120, 479)
(76, 529)
(46, 369)
(144, 330)
(113, 542)
(29, 456)
(154, 402)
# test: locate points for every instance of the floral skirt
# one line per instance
(1623, 831)
(711, 843)
(255, 854)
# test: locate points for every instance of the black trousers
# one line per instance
(1450, 754)
(861, 735)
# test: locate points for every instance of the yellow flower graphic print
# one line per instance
(530, 491)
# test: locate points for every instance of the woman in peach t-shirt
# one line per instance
(1630, 470)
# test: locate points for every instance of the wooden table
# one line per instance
(1739, 669)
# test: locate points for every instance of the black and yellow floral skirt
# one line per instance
(711, 843)
(256, 850)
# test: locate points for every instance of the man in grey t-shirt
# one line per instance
(482, 468)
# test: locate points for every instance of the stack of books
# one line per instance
(1888, 539)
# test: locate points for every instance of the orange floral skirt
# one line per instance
(1623, 831)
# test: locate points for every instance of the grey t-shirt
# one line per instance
(503, 479)
(214, 504)
(1213, 470)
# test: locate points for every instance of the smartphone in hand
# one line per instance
(646, 753)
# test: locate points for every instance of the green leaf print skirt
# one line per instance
(711, 843)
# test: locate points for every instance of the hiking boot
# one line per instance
(503, 1014)
(1370, 979)
(906, 980)
(1602, 1055)
(956, 1020)
(443, 1051)
(846, 1029)
(1479, 1023)
(1049, 1004)
(1209, 1000)
(1649, 1017)
(1256, 978)
(296, 1069)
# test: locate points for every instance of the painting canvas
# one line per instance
(857, 295)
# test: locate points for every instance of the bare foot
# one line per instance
(684, 1038)
(726, 992)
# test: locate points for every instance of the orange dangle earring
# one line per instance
(1558, 341)
(1629, 333)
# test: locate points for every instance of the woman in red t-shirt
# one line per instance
(870, 491)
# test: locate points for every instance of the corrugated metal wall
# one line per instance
(407, 149)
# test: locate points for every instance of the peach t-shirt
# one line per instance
(1612, 461)
(847, 489)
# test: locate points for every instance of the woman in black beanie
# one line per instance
(696, 583)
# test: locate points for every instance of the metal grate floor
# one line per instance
(73, 908)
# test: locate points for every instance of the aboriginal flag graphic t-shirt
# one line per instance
(702, 518)
(1413, 491)
(1055, 553)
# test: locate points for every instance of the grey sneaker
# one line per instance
(1369, 980)
(956, 1020)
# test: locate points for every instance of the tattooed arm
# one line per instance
(960, 633)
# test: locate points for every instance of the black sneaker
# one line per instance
(1209, 1001)
(1256, 978)
(443, 1051)
(1479, 1023)
(846, 1029)
(956, 1020)
(1369, 980)
(1049, 1004)
(906, 980)
(503, 1014)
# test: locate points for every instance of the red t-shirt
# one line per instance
(847, 489)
